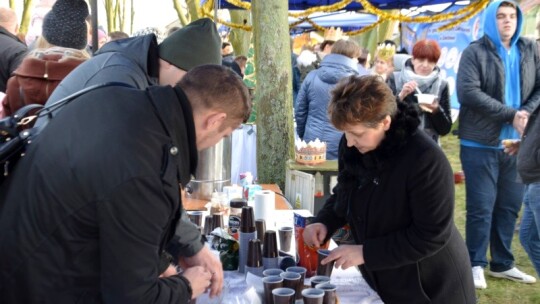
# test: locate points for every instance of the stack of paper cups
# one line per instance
(265, 204)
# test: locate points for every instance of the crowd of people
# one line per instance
(94, 211)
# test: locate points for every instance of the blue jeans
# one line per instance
(493, 199)
(530, 224)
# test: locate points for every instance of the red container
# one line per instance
(459, 177)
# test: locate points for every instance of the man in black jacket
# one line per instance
(140, 62)
(95, 200)
(12, 50)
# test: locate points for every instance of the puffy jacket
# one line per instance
(37, 77)
(312, 102)
(133, 61)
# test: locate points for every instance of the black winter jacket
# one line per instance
(95, 201)
(480, 88)
(12, 52)
(399, 203)
(528, 158)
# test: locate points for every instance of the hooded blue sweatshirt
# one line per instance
(510, 58)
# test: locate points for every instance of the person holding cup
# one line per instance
(420, 74)
(400, 210)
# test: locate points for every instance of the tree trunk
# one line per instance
(109, 11)
(239, 38)
(132, 19)
(123, 16)
(12, 4)
(25, 19)
(180, 12)
(193, 9)
(273, 90)
(117, 16)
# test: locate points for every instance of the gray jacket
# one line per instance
(480, 89)
(528, 158)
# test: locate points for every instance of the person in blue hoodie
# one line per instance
(498, 85)
(312, 101)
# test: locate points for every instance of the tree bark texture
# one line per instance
(180, 12)
(239, 38)
(193, 9)
(273, 89)
(26, 15)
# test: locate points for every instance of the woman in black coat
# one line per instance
(395, 189)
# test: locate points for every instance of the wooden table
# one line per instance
(197, 204)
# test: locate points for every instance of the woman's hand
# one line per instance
(199, 278)
(430, 108)
(407, 89)
(346, 256)
(315, 234)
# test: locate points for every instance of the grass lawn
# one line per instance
(499, 291)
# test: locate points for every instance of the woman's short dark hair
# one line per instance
(361, 100)
(427, 49)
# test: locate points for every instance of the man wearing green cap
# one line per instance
(141, 63)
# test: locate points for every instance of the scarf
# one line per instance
(427, 84)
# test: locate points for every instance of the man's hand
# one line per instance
(206, 259)
(171, 270)
(520, 121)
(511, 147)
(199, 278)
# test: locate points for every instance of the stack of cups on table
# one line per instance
(284, 287)
(283, 282)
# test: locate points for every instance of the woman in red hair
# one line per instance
(421, 72)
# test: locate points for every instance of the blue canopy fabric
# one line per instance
(382, 4)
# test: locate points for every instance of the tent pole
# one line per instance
(93, 8)
(216, 7)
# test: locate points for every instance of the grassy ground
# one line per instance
(499, 291)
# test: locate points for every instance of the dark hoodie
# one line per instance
(133, 61)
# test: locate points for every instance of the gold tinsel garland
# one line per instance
(482, 5)
(206, 9)
(466, 13)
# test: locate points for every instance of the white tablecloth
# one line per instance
(352, 288)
